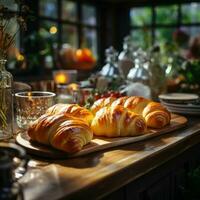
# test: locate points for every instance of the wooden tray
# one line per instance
(97, 144)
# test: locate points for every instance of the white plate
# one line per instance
(186, 107)
(177, 105)
(178, 97)
(184, 111)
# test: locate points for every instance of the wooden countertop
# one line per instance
(100, 173)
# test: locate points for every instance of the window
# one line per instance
(158, 23)
(69, 22)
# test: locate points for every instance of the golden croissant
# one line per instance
(62, 132)
(117, 121)
(100, 103)
(155, 115)
(72, 109)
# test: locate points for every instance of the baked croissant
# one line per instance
(72, 109)
(116, 121)
(155, 115)
(100, 103)
(62, 132)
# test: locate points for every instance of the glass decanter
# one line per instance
(157, 73)
(109, 75)
(138, 76)
(6, 102)
(125, 59)
(110, 69)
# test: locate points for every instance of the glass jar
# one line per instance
(125, 59)
(63, 94)
(138, 76)
(6, 102)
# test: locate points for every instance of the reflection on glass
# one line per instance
(142, 37)
(49, 27)
(167, 14)
(69, 35)
(164, 34)
(69, 10)
(89, 15)
(90, 40)
(190, 13)
(140, 16)
(48, 8)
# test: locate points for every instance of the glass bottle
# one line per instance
(126, 62)
(110, 69)
(157, 73)
(6, 102)
(139, 76)
(109, 75)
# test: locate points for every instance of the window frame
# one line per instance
(78, 24)
(153, 26)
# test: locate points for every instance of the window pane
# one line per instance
(142, 37)
(192, 30)
(48, 8)
(69, 10)
(69, 35)
(167, 14)
(49, 29)
(140, 16)
(89, 15)
(90, 40)
(190, 13)
(164, 35)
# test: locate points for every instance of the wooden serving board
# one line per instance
(98, 143)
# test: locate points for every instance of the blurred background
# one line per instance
(73, 34)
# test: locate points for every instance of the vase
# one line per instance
(6, 102)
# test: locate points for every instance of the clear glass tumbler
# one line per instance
(31, 105)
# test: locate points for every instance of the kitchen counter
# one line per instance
(124, 172)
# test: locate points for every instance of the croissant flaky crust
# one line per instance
(155, 115)
(100, 103)
(117, 121)
(61, 131)
(72, 109)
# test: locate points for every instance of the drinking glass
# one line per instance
(31, 105)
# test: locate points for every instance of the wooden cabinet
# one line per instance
(162, 183)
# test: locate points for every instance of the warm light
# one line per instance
(73, 86)
(29, 96)
(61, 78)
(53, 30)
(64, 76)
(20, 57)
(79, 52)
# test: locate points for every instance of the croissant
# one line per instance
(155, 115)
(62, 132)
(116, 121)
(72, 109)
(100, 103)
